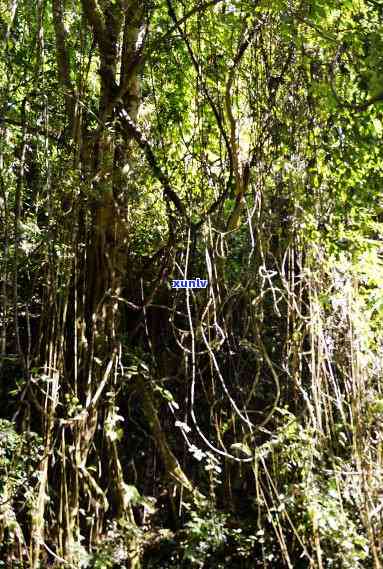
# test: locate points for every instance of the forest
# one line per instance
(191, 284)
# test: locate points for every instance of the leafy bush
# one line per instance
(206, 533)
(19, 455)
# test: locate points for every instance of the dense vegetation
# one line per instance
(237, 425)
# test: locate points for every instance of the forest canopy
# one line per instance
(148, 424)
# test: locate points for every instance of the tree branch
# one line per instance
(161, 176)
(243, 45)
(95, 18)
(204, 88)
(56, 136)
(364, 106)
(197, 9)
(62, 56)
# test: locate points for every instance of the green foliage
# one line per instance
(206, 535)
(290, 372)
(19, 455)
(339, 528)
(114, 549)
